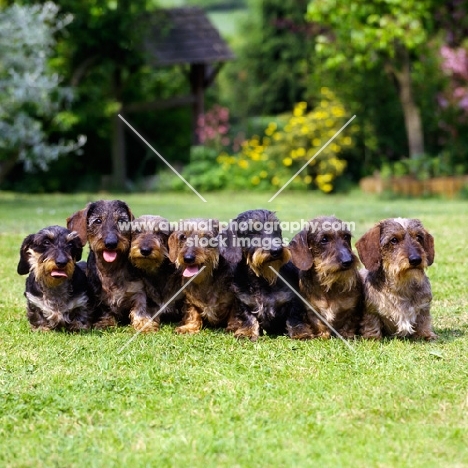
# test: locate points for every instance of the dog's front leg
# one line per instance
(371, 326)
(140, 316)
(192, 321)
(244, 324)
(423, 327)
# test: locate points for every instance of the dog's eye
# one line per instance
(347, 237)
(394, 241)
(97, 221)
(46, 242)
(182, 237)
(324, 240)
(122, 220)
(420, 238)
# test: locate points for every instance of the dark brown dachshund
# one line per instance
(117, 289)
(264, 301)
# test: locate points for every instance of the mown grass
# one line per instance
(211, 401)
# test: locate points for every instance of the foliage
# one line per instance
(391, 34)
(271, 69)
(289, 143)
(268, 162)
(363, 32)
(101, 58)
(33, 104)
(424, 167)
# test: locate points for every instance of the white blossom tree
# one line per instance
(31, 97)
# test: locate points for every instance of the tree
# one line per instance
(32, 102)
(391, 34)
(273, 50)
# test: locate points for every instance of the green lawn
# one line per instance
(211, 401)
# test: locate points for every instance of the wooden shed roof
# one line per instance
(185, 35)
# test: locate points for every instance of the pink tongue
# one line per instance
(58, 274)
(109, 255)
(190, 271)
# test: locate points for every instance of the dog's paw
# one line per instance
(145, 324)
(105, 322)
(187, 329)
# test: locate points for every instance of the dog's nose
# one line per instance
(111, 241)
(276, 252)
(61, 261)
(415, 260)
(189, 258)
(347, 263)
(145, 251)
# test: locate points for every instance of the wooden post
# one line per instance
(119, 163)
(197, 83)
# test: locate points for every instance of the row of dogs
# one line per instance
(311, 288)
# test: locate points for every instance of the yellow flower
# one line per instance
(304, 130)
(300, 152)
(287, 161)
(271, 128)
(316, 142)
(243, 163)
(263, 174)
(307, 179)
(347, 141)
(255, 180)
(298, 111)
(337, 111)
(277, 136)
(324, 178)
(275, 180)
(327, 188)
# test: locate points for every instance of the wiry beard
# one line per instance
(260, 263)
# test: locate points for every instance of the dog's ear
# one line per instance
(77, 222)
(229, 247)
(164, 226)
(23, 264)
(77, 250)
(173, 245)
(429, 247)
(368, 247)
(301, 256)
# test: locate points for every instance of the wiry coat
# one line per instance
(117, 289)
(397, 291)
(161, 278)
(264, 301)
(329, 279)
(195, 250)
(57, 290)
